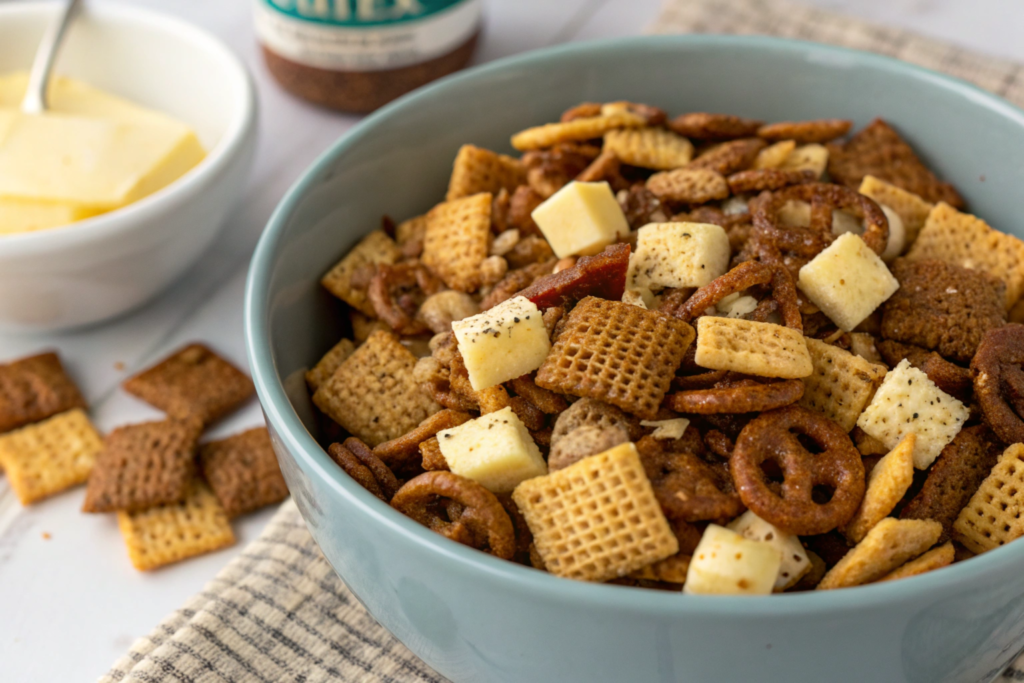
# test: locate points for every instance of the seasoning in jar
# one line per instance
(356, 55)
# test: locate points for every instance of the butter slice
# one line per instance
(502, 343)
(24, 216)
(495, 450)
(581, 219)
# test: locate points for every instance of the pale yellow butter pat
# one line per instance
(678, 255)
(795, 562)
(847, 281)
(502, 343)
(581, 219)
(726, 563)
(25, 216)
(495, 450)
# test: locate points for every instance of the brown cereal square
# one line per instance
(143, 465)
(995, 514)
(242, 471)
(192, 382)
(806, 132)
(457, 240)
(967, 241)
(879, 150)
(616, 353)
(479, 170)
(841, 385)
(348, 279)
(710, 126)
(943, 307)
(33, 389)
(373, 394)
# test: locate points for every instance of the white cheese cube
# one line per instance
(908, 402)
(678, 255)
(795, 562)
(495, 450)
(847, 281)
(726, 563)
(502, 343)
(581, 219)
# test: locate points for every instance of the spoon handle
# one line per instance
(39, 78)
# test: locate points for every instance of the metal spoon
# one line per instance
(39, 78)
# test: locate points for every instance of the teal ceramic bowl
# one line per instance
(475, 618)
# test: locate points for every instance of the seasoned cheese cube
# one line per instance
(581, 219)
(678, 255)
(672, 428)
(847, 281)
(795, 562)
(495, 450)
(726, 563)
(502, 343)
(908, 402)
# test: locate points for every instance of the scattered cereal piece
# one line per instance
(374, 249)
(242, 471)
(936, 558)
(795, 562)
(889, 544)
(586, 128)
(373, 394)
(655, 148)
(887, 483)
(726, 563)
(581, 219)
(709, 126)
(841, 384)
(908, 402)
(821, 130)
(617, 353)
(689, 185)
(813, 158)
(911, 209)
(192, 382)
(176, 531)
(847, 281)
(502, 343)
(995, 514)
(753, 348)
(495, 450)
(597, 519)
(678, 255)
(480, 170)
(331, 361)
(33, 389)
(50, 456)
(775, 155)
(456, 240)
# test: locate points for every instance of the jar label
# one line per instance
(364, 35)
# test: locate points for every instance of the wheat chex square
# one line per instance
(243, 472)
(33, 389)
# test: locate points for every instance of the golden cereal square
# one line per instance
(751, 347)
(887, 546)
(50, 456)
(911, 208)
(841, 385)
(616, 353)
(597, 519)
(457, 240)
(374, 249)
(967, 241)
(586, 128)
(654, 148)
(936, 558)
(373, 393)
(479, 170)
(33, 389)
(887, 483)
(176, 531)
(411, 230)
(995, 514)
(331, 361)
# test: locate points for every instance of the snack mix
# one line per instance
(700, 353)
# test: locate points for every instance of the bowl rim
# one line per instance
(282, 416)
(139, 214)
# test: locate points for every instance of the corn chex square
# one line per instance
(586, 128)
(330, 362)
(969, 242)
(457, 240)
(911, 208)
(887, 483)
(480, 170)
(936, 558)
(597, 519)
(654, 148)
(841, 384)
(50, 456)
(887, 546)
(373, 394)
(751, 347)
(374, 249)
(616, 353)
(908, 402)
(176, 531)
(995, 514)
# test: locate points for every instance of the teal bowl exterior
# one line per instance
(475, 618)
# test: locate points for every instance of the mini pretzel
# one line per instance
(772, 437)
(481, 522)
(737, 396)
(368, 471)
(744, 276)
(823, 198)
(398, 452)
(392, 292)
(999, 381)
(686, 487)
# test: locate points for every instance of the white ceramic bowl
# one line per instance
(98, 268)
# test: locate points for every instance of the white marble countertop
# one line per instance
(70, 602)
